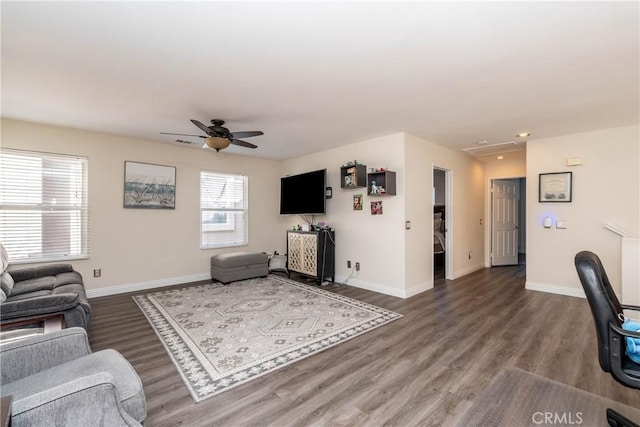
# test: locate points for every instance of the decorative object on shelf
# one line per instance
(149, 186)
(382, 182)
(357, 202)
(353, 175)
(376, 207)
(555, 187)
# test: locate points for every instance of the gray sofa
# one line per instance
(36, 292)
(56, 380)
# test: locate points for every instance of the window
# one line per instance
(224, 210)
(44, 213)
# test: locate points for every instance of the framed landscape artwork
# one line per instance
(555, 187)
(149, 186)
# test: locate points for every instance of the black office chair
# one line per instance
(607, 315)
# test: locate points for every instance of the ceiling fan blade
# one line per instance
(182, 134)
(243, 143)
(203, 127)
(183, 141)
(248, 134)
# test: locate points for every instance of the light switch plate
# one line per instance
(561, 224)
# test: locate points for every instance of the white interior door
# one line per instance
(504, 222)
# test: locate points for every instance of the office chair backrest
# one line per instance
(604, 304)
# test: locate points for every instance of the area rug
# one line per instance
(221, 336)
(520, 398)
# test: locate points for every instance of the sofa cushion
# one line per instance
(6, 283)
(69, 278)
(28, 295)
(37, 305)
(3, 296)
(23, 274)
(34, 285)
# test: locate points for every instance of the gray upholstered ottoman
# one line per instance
(233, 266)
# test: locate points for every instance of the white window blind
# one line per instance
(224, 210)
(44, 212)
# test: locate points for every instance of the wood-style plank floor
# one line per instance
(422, 370)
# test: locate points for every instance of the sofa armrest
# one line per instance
(22, 358)
(21, 274)
(87, 401)
(38, 306)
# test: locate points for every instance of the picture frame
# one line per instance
(149, 186)
(357, 202)
(555, 187)
(376, 207)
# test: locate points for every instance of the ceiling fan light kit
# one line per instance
(219, 137)
(217, 143)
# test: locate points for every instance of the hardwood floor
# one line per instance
(424, 369)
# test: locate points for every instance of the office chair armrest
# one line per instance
(624, 332)
(617, 357)
(631, 307)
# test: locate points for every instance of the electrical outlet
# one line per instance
(470, 254)
(357, 266)
(97, 272)
(348, 264)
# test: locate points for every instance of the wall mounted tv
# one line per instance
(303, 194)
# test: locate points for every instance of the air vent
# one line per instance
(491, 149)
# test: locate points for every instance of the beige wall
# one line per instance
(606, 189)
(375, 241)
(146, 248)
(396, 261)
(467, 209)
(513, 165)
(137, 248)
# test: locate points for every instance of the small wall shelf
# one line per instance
(382, 179)
(353, 176)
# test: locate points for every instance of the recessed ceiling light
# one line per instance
(523, 135)
(500, 157)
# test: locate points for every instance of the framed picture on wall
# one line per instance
(149, 186)
(376, 208)
(357, 202)
(555, 187)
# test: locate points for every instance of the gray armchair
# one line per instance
(55, 379)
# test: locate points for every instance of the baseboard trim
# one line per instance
(554, 289)
(381, 289)
(423, 287)
(375, 287)
(141, 286)
(467, 270)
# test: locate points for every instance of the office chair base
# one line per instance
(616, 419)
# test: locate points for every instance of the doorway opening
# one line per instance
(508, 221)
(442, 226)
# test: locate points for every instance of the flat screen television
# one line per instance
(303, 194)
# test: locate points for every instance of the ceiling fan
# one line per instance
(218, 137)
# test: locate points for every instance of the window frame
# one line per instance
(82, 207)
(231, 213)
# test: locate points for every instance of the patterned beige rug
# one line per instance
(220, 336)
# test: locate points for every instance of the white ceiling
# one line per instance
(316, 75)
